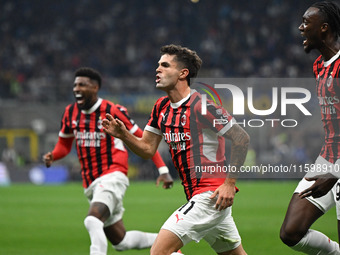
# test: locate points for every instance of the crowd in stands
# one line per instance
(43, 42)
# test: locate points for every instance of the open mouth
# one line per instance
(158, 79)
(305, 41)
(79, 98)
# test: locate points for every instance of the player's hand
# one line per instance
(48, 159)
(167, 180)
(113, 127)
(323, 184)
(226, 193)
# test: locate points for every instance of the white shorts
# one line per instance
(109, 189)
(327, 201)
(199, 219)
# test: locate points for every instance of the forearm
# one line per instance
(62, 148)
(156, 158)
(144, 147)
(239, 148)
(138, 145)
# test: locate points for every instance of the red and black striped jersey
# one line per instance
(98, 153)
(195, 140)
(328, 92)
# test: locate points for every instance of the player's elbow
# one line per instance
(241, 139)
(148, 154)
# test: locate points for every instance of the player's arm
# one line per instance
(61, 149)
(163, 170)
(145, 146)
(239, 147)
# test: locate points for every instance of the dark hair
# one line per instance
(185, 56)
(330, 11)
(90, 73)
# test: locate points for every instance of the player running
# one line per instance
(193, 141)
(321, 28)
(104, 164)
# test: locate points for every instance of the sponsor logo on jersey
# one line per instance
(177, 137)
(177, 141)
(163, 116)
(74, 123)
(324, 101)
(89, 139)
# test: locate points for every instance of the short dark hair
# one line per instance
(90, 73)
(330, 11)
(185, 56)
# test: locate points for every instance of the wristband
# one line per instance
(163, 170)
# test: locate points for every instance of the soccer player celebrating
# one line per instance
(104, 164)
(321, 28)
(193, 142)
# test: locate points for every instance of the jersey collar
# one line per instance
(179, 103)
(94, 107)
(327, 63)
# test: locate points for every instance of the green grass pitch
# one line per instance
(48, 220)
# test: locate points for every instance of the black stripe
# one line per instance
(108, 142)
(68, 125)
(98, 153)
(156, 112)
(88, 149)
(80, 152)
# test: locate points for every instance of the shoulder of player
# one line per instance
(317, 61)
(162, 102)
(72, 107)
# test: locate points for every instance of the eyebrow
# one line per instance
(165, 63)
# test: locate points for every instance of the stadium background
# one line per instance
(42, 43)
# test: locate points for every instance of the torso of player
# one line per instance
(98, 153)
(198, 153)
(328, 92)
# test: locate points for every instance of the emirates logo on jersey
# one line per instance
(328, 100)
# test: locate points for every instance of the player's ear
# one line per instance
(324, 27)
(184, 73)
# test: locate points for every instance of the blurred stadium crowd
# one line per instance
(43, 42)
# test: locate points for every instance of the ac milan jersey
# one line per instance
(98, 153)
(195, 140)
(328, 92)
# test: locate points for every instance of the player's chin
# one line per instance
(307, 48)
(161, 86)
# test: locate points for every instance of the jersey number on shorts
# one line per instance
(337, 191)
(188, 208)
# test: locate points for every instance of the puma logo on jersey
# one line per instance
(178, 218)
(163, 116)
(74, 123)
